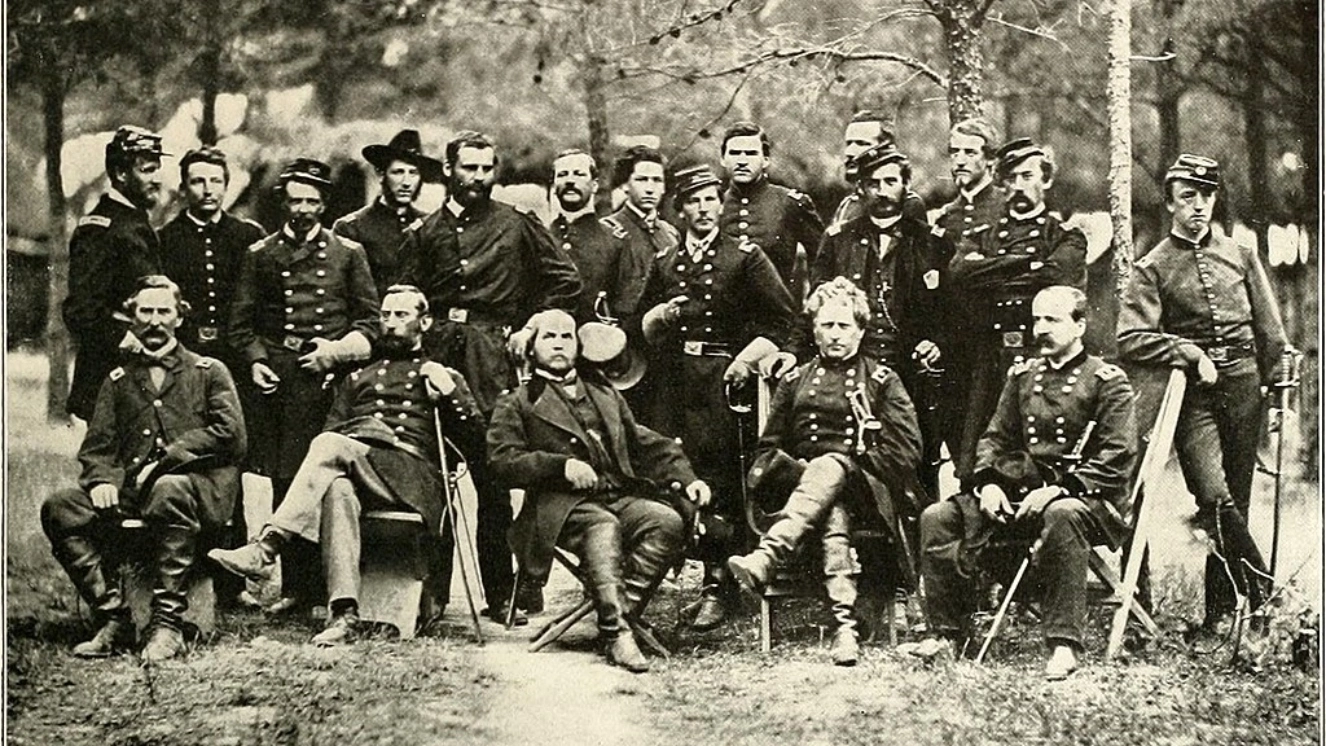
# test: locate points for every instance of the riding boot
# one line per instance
(174, 556)
(840, 586)
(83, 564)
(806, 507)
(712, 608)
(600, 552)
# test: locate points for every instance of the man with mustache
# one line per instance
(303, 308)
(718, 312)
(162, 446)
(781, 221)
(611, 265)
(979, 204)
(112, 246)
(202, 250)
(486, 268)
(868, 129)
(902, 267)
(379, 226)
(1052, 468)
(997, 270)
(824, 467)
(596, 484)
(378, 451)
(1201, 303)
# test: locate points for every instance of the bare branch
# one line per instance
(1034, 32)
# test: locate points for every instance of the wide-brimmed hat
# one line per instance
(606, 348)
(405, 146)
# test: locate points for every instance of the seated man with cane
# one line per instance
(595, 482)
(1052, 468)
(841, 447)
(378, 451)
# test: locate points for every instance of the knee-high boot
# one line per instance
(84, 566)
(806, 507)
(175, 550)
(840, 585)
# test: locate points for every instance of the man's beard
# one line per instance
(474, 193)
(885, 208)
(395, 346)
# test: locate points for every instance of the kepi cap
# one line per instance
(1195, 168)
(1015, 151)
(691, 180)
(308, 171)
(131, 140)
(875, 156)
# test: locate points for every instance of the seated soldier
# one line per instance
(162, 445)
(379, 451)
(1053, 467)
(842, 447)
(593, 478)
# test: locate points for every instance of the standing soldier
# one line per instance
(978, 205)
(1052, 468)
(486, 267)
(899, 264)
(717, 310)
(202, 250)
(640, 171)
(111, 248)
(162, 446)
(781, 221)
(304, 303)
(998, 270)
(1202, 303)
(379, 227)
(611, 266)
(868, 129)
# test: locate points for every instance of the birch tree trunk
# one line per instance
(1120, 91)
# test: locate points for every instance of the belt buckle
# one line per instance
(292, 342)
(1013, 339)
(208, 333)
(1218, 354)
(692, 348)
(458, 315)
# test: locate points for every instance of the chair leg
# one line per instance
(645, 636)
(511, 605)
(890, 617)
(766, 627)
(559, 625)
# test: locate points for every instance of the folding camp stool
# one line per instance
(558, 625)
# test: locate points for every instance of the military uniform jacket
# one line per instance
(112, 246)
(1008, 263)
(534, 433)
(494, 261)
(386, 404)
(293, 289)
(205, 259)
(1042, 416)
(904, 286)
(1184, 298)
(380, 229)
(776, 219)
(602, 251)
(965, 220)
(191, 423)
(647, 238)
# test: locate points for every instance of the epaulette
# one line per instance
(101, 221)
(881, 374)
(801, 197)
(609, 222)
(792, 375)
(416, 225)
(257, 245)
(117, 374)
(747, 247)
(204, 363)
(1109, 372)
(1020, 367)
(980, 229)
(937, 230)
(834, 229)
(1145, 261)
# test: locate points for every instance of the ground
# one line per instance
(257, 682)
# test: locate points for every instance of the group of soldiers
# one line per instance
(608, 365)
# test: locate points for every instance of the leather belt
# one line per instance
(208, 333)
(706, 349)
(469, 316)
(1014, 339)
(1230, 353)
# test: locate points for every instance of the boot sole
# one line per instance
(745, 580)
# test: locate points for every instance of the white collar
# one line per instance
(646, 217)
(216, 218)
(291, 234)
(571, 217)
(695, 245)
(1060, 366)
(885, 223)
(1040, 209)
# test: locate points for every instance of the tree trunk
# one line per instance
(1169, 92)
(961, 21)
(57, 336)
(1119, 92)
(1254, 139)
(596, 119)
(211, 66)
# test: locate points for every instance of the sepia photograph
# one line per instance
(654, 372)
